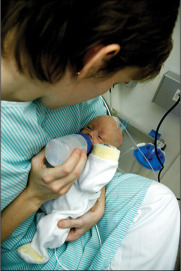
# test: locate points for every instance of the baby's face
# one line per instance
(104, 130)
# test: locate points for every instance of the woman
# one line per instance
(56, 55)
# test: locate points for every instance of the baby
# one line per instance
(105, 134)
(104, 130)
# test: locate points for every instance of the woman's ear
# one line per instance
(96, 57)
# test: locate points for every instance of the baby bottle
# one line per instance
(58, 150)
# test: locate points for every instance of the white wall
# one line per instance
(136, 105)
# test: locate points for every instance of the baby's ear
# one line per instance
(96, 57)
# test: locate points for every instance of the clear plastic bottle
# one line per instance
(58, 150)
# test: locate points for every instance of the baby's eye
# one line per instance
(89, 128)
(100, 137)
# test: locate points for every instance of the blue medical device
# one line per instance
(147, 157)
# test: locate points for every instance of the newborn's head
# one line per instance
(104, 130)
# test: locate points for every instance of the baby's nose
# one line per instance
(93, 134)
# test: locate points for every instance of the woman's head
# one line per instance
(45, 36)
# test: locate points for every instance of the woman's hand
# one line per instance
(44, 184)
(82, 224)
(50, 183)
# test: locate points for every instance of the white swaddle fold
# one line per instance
(100, 168)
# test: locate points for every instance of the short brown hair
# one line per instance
(51, 34)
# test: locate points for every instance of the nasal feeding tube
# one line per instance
(123, 128)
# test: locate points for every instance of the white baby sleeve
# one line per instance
(100, 168)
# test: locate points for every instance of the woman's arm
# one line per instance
(17, 212)
(44, 184)
(82, 224)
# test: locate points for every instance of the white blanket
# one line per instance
(100, 168)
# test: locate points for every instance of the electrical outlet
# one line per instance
(168, 87)
(176, 95)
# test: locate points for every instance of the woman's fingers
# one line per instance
(83, 223)
(75, 233)
(50, 183)
(72, 167)
(77, 227)
(39, 159)
(61, 178)
(70, 223)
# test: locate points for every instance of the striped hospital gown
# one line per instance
(25, 129)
